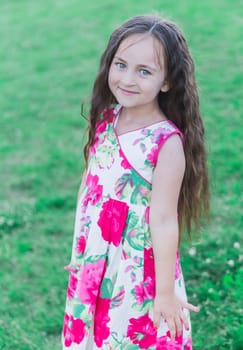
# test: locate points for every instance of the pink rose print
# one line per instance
(81, 244)
(144, 291)
(112, 220)
(146, 215)
(149, 271)
(178, 267)
(142, 332)
(106, 118)
(145, 132)
(101, 331)
(85, 222)
(72, 285)
(108, 114)
(161, 343)
(149, 274)
(88, 287)
(152, 156)
(94, 190)
(99, 129)
(165, 343)
(178, 340)
(73, 330)
(124, 163)
(188, 344)
(139, 293)
(159, 134)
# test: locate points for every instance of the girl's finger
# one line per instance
(156, 319)
(172, 328)
(184, 320)
(178, 324)
(191, 307)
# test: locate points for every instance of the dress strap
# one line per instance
(117, 114)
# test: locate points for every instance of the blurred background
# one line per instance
(49, 57)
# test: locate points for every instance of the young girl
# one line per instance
(145, 181)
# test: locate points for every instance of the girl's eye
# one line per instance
(120, 65)
(144, 72)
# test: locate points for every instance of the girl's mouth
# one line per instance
(128, 92)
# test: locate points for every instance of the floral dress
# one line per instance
(112, 280)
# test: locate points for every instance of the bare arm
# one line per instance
(167, 180)
(166, 185)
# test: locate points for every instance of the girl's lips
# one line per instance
(128, 92)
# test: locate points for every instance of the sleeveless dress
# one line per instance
(112, 280)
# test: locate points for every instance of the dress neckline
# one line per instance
(117, 113)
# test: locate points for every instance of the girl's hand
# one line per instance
(171, 309)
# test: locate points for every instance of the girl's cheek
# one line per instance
(113, 77)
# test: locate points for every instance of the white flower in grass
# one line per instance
(192, 251)
(2, 220)
(205, 274)
(236, 245)
(10, 222)
(231, 263)
(210, 290)
(208, 261)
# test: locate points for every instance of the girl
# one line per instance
(145, 181)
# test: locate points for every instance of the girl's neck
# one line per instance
(141, 115)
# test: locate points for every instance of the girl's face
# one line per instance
(137, 72)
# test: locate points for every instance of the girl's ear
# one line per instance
(165, 87)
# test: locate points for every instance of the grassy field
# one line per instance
(48, 59)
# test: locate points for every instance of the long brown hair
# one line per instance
(180, 104)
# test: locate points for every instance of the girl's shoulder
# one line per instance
(165, 129)
(108, 114)
(106, 117)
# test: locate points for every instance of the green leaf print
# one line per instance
(95, 258)
(135, 232)
(78, 309)
(114, 335)
(81, 311)
(106, 288)
(141, 192)
(118, 298)
(132, 184)
(110, 135)
(145, 306)
(135, 239)
(105, 155)
(121, 344)
(129, 346)
(123, 185)
(140, 195)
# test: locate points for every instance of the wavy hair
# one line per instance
(180, 104)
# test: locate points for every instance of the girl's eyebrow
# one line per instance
(120, 59)
(139, 65)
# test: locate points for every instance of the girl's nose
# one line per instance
(128, 78)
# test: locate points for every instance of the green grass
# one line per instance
(48, 59)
